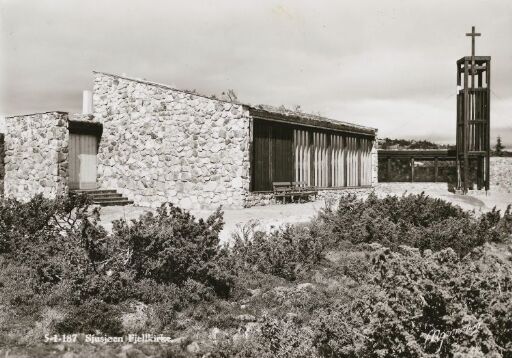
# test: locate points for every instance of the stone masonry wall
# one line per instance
(160, 144)
(326, 195)
(501, 173)
(36, 152)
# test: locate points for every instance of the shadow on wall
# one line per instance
(2, 164)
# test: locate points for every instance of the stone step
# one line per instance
(121, 202)
(105, 197)
(95, 191)
(115, 198)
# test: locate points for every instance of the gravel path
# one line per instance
(274, 216)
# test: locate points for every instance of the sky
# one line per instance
(388, 64)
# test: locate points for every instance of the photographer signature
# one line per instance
(435, 336)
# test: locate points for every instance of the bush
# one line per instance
(404, 300)
(172, 247)
(284, 253)
(92, 317)
(414, 220)
(52, 237)
(370, 278)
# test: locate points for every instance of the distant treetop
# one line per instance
(388, 143)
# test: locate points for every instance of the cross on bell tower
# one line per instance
(473, 34)
(473, 119)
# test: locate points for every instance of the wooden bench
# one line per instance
(292, 190)
(282, 189)
(304, 189)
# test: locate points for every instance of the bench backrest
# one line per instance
(280, 186)
(303, 186)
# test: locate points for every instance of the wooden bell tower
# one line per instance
(473, 119)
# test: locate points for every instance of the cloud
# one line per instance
(387, 64)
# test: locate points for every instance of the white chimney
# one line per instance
(87, 102)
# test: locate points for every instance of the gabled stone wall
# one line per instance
(160, 144)
(36, 153)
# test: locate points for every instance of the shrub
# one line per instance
(329, 288)
(92, 317)
(284, 253)
(172, 247)
(53, 237)
(415, 220)
(111, 287)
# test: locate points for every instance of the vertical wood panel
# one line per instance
(305, 162)
(362, 154)
(324, 154)
(315, 159)
(326, 161)
(73, 174)
(320, 162)
(300, 162)
(368, 162)
(261, 157)
(354, 162)
(341, 160)
(350, 164)
(363, 161)
(296, 146)
(282, 150)
(351, 161)
(321, 158)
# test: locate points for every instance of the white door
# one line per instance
(83, 149)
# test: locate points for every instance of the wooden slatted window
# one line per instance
(272, 154)
(302, 157)
(317, 157)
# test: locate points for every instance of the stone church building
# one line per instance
(149, 143)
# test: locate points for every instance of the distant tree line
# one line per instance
(388, 143)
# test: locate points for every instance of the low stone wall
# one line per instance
(160, 144)
(331, 195)
(259, 199)
(36, 155)
(501, 173)
(327, 195)
(2, 164)
(406, 188)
